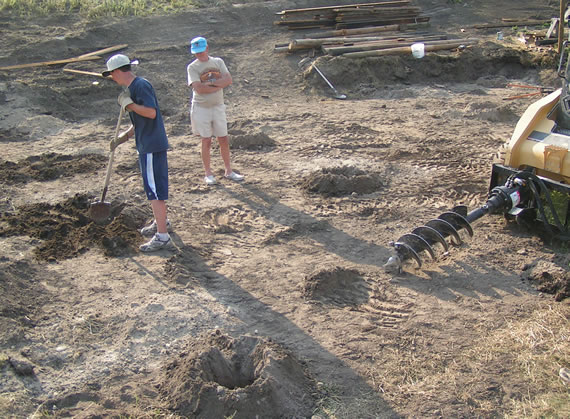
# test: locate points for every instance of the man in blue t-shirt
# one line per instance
(139, 99)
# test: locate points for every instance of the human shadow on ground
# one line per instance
(470, 279)
(474, 279)
(331, 238)
(259, 318)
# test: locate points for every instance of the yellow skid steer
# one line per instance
(530, 181)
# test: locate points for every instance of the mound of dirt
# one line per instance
(49, 166)
(337, 286)
(66, 231)
(339, 181)
(219, 376)
(548, 277)
(252, 141)
(368, 75)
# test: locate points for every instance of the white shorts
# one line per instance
(209, 122)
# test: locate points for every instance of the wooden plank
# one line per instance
(381, 22)
(315, 25)
(408, 49)
(47, 63)
(105, 50)
(380, 10)
(372, 46)
(84, 57)
(305, 22)
(362, 31)
(87, 73)
(328, 43)
(347, 32)
(316, 9)
(514, 23)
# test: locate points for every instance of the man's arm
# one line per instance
(223, 81)
(213, 85)
(142, 110)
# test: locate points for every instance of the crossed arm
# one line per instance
(212, 86)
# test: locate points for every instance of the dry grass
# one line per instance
(94, 9)
(334, 405)
(540, 346)
(509, 371)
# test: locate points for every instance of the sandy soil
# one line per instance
(275, 302)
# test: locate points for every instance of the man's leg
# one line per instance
(206, 145)
(225, 152)
(161, 240)
(160, 212)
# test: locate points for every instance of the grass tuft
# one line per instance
(94, 9)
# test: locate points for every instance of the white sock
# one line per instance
(163, 236)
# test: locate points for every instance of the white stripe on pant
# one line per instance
(150, 173)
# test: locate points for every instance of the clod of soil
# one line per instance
(66, 231)
(340, 181)
(219, 376)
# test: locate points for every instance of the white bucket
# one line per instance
(418, 50)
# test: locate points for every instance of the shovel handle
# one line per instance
(324, 78)
(111, 157)
(337, 94)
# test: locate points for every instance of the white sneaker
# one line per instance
(155, 244)
(234, 176)
(210, 180)
(150, 230)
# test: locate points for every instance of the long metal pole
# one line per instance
(561, 25)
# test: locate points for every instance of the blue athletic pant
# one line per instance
(154, 170)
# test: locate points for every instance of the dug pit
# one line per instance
(219, 376)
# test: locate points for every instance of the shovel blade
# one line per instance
(100, 211)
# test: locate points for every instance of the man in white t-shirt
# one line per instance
(208, 76)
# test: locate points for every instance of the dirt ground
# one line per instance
(275, 302)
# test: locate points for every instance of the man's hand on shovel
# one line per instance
(115, 142)
(125, 100)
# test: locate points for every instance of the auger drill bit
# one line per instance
(449, 224)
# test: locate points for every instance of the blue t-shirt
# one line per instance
(150, 134)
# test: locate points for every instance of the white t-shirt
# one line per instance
(196, 69)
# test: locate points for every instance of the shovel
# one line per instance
(337, 95)
(101, 210)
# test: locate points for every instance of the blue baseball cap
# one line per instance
(198, 44)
